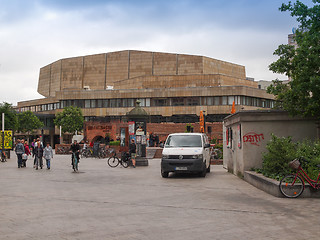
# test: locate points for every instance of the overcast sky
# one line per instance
(35, 33)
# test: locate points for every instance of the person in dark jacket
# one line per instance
(132, 152)
(19, 151)
(75, 148)
(38, 153)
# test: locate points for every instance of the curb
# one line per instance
(271, 186)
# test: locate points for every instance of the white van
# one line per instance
(186, 152)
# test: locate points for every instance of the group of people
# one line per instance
(36, 150)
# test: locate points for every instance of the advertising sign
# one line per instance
(8, 139)
(131, 128)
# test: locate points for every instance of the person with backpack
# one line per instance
(19, 151)
(26, 153)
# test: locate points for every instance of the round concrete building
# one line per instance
(172, 88)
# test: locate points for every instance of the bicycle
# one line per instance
(62, 150)
(75, 162)
(114, 161)
(86, 152)
(293, 185)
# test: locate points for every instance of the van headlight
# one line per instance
(197, 156)
(165, 156)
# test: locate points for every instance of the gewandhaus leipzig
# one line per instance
(170, 87)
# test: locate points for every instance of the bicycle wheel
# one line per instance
(125, 164)
(84, 153)
(291, 186)
(113, 161)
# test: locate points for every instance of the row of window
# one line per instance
(154, 102)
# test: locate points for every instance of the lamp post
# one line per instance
(204, 121)
(2, 133)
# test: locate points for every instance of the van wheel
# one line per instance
(204, 172)
(164, 174)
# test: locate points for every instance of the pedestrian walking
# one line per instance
(26, 154)
(48, 154)
(19, 151)
(132, 152)
(38, 153)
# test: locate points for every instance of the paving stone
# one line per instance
(117, 203)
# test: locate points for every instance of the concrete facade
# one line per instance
(170, 87)
(247, 133)
(102, 70)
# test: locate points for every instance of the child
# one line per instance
(48, 154)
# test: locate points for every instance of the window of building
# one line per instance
(224, 100)
(62, 104)
(79, 103)
(69, 103)
(131, 102)
(105, 103)
(209, 101)
(99, 103)
(93, 103)
(57, 105)
(87, 103)
(147, 102)
(160, 102)
(115, 103)
(230, 100)
(192, 101)
(142, 102)
(124, 102)
(177, 101)
(237, 100)
(216, 100)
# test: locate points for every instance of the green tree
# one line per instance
(70, 120)
(10, 117)
(301, 64)
(28, 122)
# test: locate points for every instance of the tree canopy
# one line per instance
(10, 117)
(301, 64)
(70, 120)
(28, 122)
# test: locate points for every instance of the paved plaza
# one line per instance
(105, 203)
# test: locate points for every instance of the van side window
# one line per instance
(205, 139)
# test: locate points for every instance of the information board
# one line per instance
(8, 139)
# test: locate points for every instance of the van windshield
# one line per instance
(184, 141)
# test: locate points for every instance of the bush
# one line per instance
(114, 143)
(282, 150)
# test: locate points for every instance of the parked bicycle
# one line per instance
(86, 152)
(63, 150)
(103, 152)
(114, 161)
(293, 185)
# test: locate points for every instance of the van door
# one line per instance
(206, 151)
